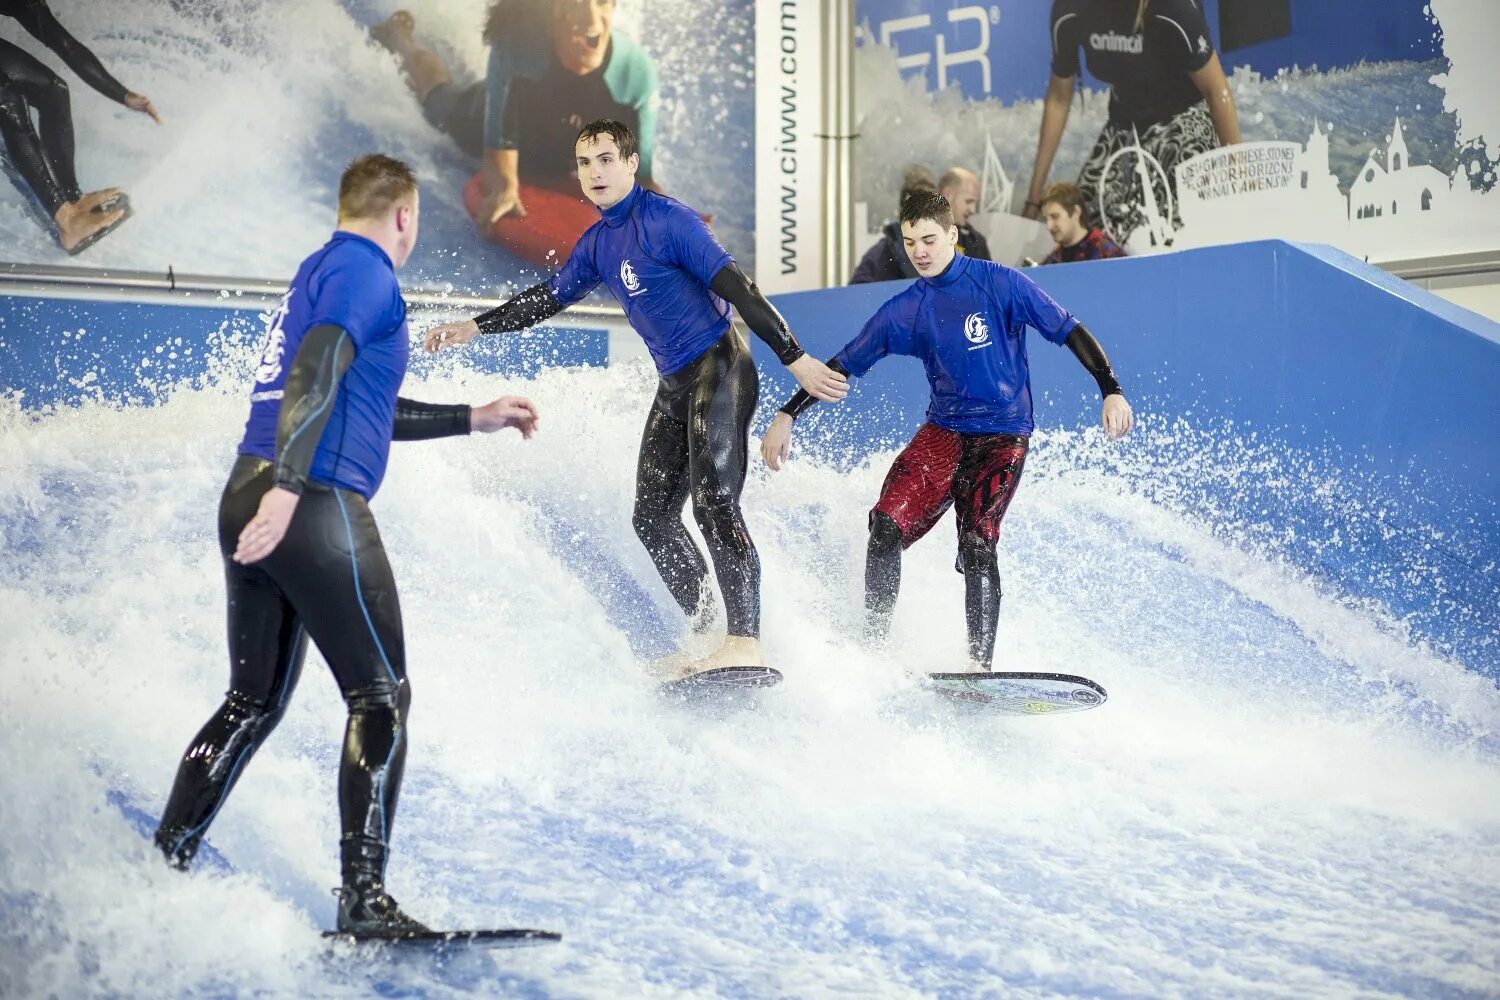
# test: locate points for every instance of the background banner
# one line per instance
(262, 103)
(789, 154)
(1368, 126)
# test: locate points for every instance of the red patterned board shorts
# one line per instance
(939, 469)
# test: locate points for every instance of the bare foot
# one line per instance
(395, 32)
(973, 668)
(736, 651)
(77, 222)
(95, 200)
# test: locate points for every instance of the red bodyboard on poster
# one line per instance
(553, 222)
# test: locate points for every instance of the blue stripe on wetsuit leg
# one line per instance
(358, 593)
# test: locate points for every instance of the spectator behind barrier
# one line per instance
(887, 259)
(961, 188)
(1062, 211)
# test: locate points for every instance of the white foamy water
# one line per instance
(1282, 797)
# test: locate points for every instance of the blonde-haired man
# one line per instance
(302, 555)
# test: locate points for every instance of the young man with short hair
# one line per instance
(1062, 211)
(966, 320)
(302, 555)
(676, 284)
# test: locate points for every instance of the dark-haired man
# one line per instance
(302, 556)
(676, 284)
(966, 319)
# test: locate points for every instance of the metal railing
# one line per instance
(207, 289)
(1419, 270)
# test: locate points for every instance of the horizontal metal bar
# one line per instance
(1445, 266)
(159, 286)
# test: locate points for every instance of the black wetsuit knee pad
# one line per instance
(975, 555)
(716, 515)
(257, 712)
(381, 697)
(885, 533)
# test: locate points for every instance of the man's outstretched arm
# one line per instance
(417, 421)
(735, 287)
(522, 311)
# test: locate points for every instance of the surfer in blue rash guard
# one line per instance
(966, 320)
(676, 285)
(302, 555)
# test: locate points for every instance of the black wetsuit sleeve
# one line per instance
(802, 399)
(524, 310)
(735, 287)
(416, 421)
(1087, 350)
(38, 19)
(326, 353)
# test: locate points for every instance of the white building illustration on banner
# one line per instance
(1395, 187)
(1282, 190)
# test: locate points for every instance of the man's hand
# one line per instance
(267, 528)
(142, 103)
(818, 379)
(450, 335)
(498, 202)
(1117, 415)
(777, 443)
(507, 411)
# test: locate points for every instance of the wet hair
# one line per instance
(1063, 193)
(917, 178)
(618, 131)
(372, 184)
(517, 19)
(926, 205)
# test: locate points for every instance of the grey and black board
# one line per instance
(721, 680)
(1021, 693)
(507, 937)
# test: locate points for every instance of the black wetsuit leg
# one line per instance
(328, 580)
(989, 471)
(45, 161)
(697, 443)
(882, 576)
(37, 18)
(458, 110)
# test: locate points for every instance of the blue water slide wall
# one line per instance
(1013, 36)
(1376, 383)
(63, 350)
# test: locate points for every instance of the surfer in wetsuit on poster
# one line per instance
(41, 154)
(553, 65)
